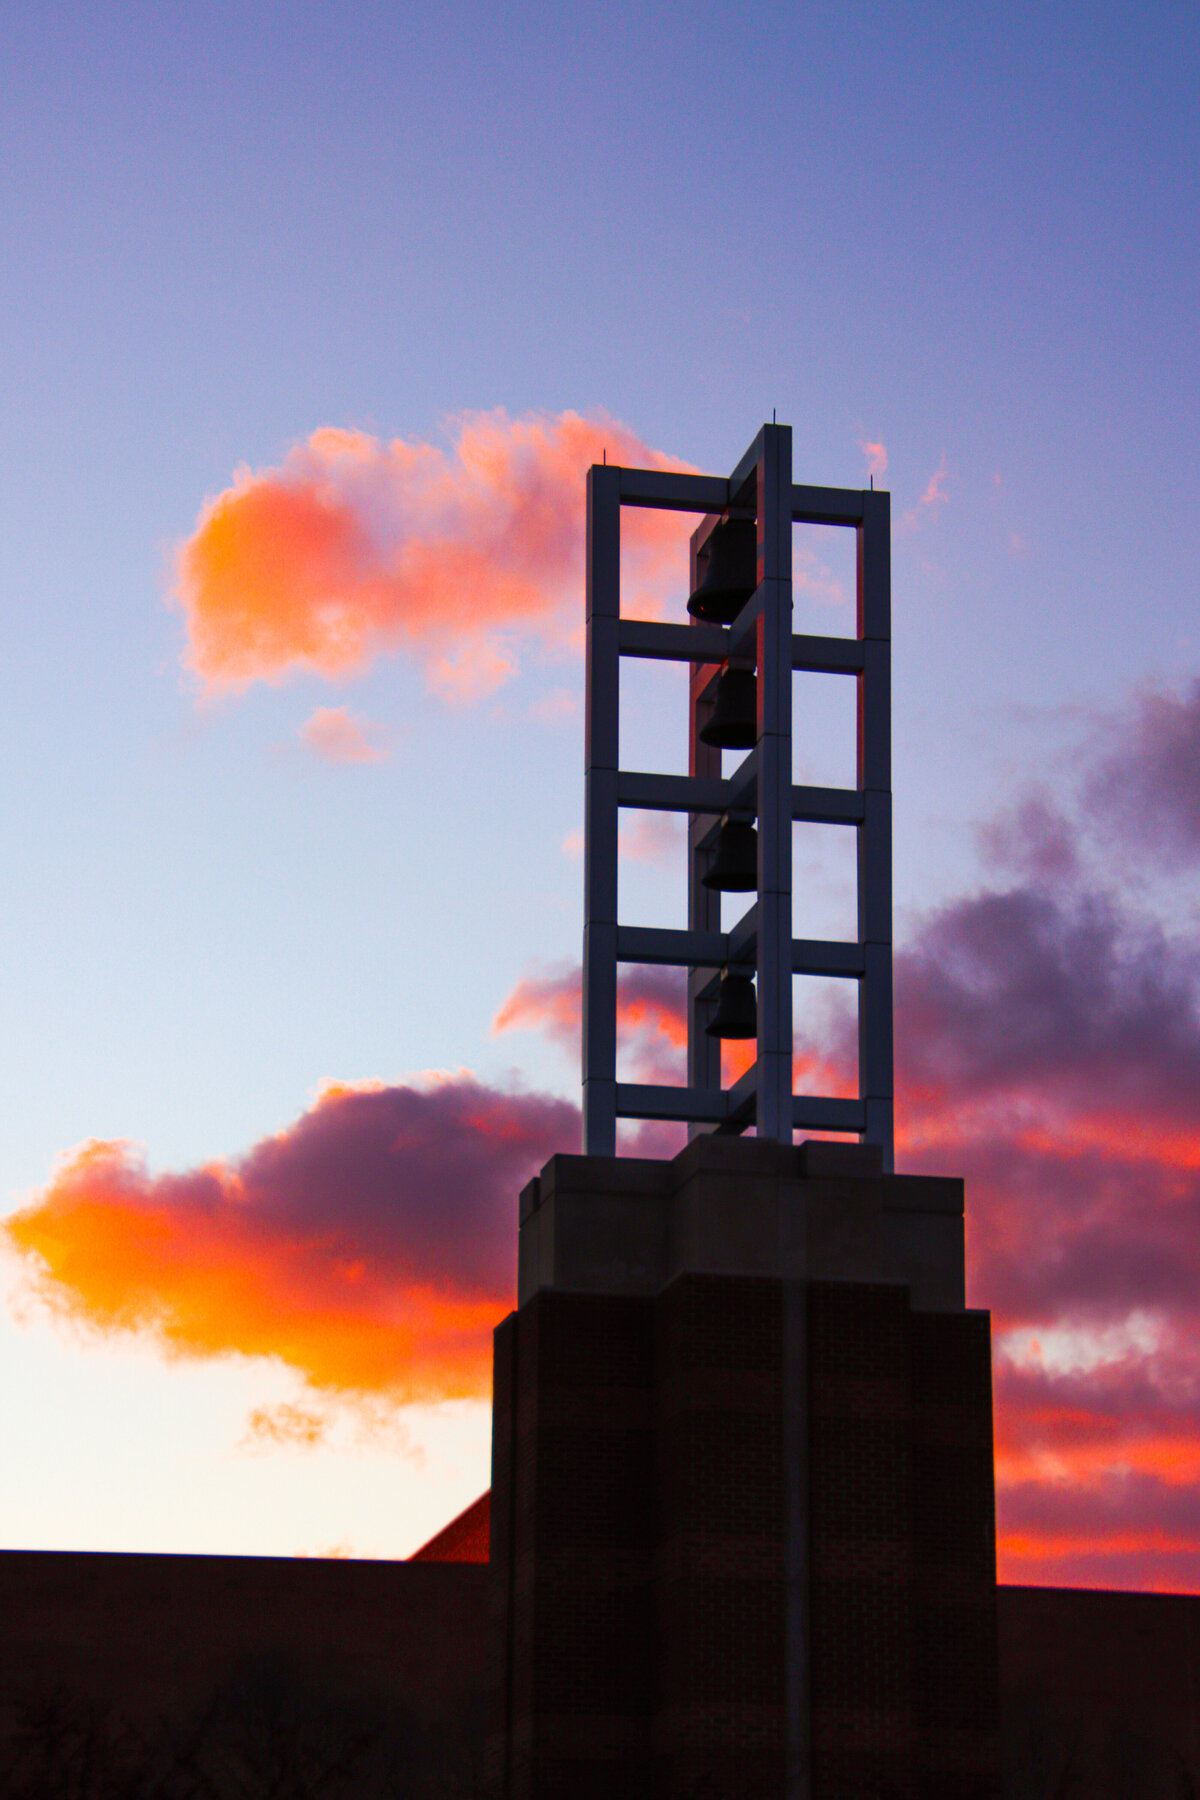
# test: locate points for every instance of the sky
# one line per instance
(312, 320)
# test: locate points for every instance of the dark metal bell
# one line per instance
(734, 867)
(732, 573)
(733, 724)
(737, 1011)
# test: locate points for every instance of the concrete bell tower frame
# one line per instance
(760, 787)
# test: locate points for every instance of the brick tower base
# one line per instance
(743, 1538)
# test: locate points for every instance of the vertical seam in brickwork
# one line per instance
(511, 1559)
(795, 1427)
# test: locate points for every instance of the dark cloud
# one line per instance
(1058, 994)
(1146, 781)
(1033, 839)
(1048, 1050)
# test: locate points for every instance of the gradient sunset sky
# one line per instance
(312, 320)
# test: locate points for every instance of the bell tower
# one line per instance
(743, 1512)
(741, 650)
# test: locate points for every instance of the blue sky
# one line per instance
(968, 235)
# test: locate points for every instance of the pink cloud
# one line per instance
(558, 707)
(336, 736)
(651, 1019)
(935, 490)
(646, 837)
(932, 499)
(876, 455)
(652, 837)
(814, 578)
(353, 548)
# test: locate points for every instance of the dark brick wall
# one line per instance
(640, 1637)
(954, 1535)
(864, 1723)
(904, 1675)
(574, 1613)
(501, 1598)
(1100, 1693)
(154, 1634)
(719, 1538)
(155, 1677)
(1100, 1690)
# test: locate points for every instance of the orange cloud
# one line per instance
(369, 1246)
(549, 1003)
(285, 1425)
(651, 1016)
(353, 548)
(336, 736)
(652, 1029)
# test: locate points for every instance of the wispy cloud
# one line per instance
(285, 1425)
(934, 496)
(652, 1028)
(647, 837)
(935, 490)
(555, 708)
(337, 736)
(352, 548)
(812, 576)
(1031, 838)
(651, 1017)
(876, 455)
(652, 837)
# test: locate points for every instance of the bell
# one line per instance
(732, 573)
(734, 867)
(737, 1012)
(733, 723)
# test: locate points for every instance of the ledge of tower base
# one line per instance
(818, 1211)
